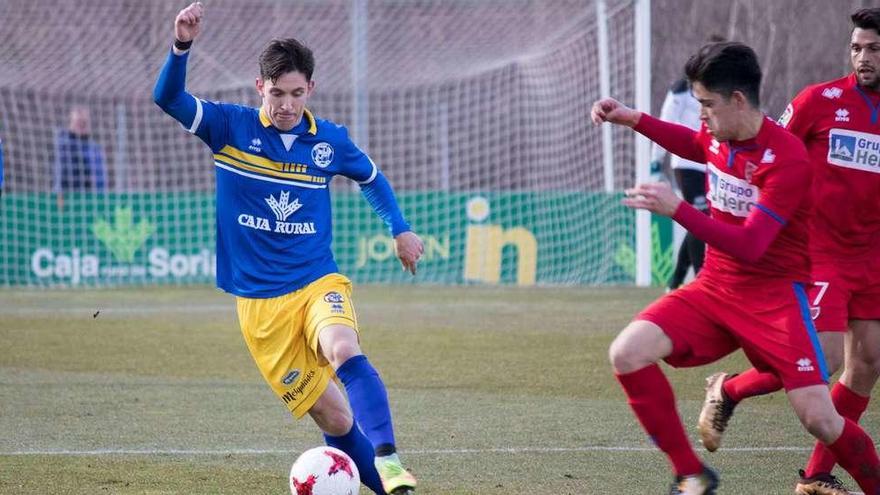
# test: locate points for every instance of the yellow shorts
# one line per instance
(282, 335)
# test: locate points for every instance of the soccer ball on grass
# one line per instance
(324, 471)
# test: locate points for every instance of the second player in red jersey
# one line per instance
(750, 293)
(839, 122)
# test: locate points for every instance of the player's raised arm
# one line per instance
(676, 138)
(614, 112)
(187, 24)
(170, 90)
(202, 118)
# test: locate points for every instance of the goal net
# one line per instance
(477, 111)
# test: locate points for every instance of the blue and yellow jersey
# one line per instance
(273, 199)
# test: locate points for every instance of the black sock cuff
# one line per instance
(385, 449)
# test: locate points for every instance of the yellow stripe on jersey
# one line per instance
(264, 166)
(313, 126)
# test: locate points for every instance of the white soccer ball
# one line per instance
(324, 471)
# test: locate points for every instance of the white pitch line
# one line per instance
(495, 450)
(117, 310)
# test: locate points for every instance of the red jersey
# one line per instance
(769, 172)
(751, 186)
(839, 122)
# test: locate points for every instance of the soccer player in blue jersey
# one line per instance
(274, 165)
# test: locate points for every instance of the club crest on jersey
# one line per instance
(322, 154)
(857, 150)
(750, 171)
(731, 194)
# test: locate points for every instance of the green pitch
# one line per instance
(494, 391)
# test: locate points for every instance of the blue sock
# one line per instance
(369, 402)
(356, 445)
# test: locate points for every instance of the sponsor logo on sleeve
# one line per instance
(832, 93)
(786, 116)
(731, 194)
(856, 150)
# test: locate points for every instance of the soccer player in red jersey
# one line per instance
(750, 292)
(839, 122)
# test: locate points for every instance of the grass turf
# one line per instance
(494, 391)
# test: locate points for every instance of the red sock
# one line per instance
(855, 452)
(751, 383)
(653, 402)
(850, 405)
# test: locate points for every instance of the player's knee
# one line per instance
(341, 351)
(625, 358)
(338, 344)
(336, 425)
(872, 362)
(640, 344)
(822, 424)
(866, 363)
(335, 421)
(874, 366)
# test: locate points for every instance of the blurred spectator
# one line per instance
(682, 108)
(79, 161)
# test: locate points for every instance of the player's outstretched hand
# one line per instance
(657, 197)
(409, 250)
(187, 23)
(611, 110)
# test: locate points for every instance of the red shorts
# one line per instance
(843, 291)
(771, 324)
